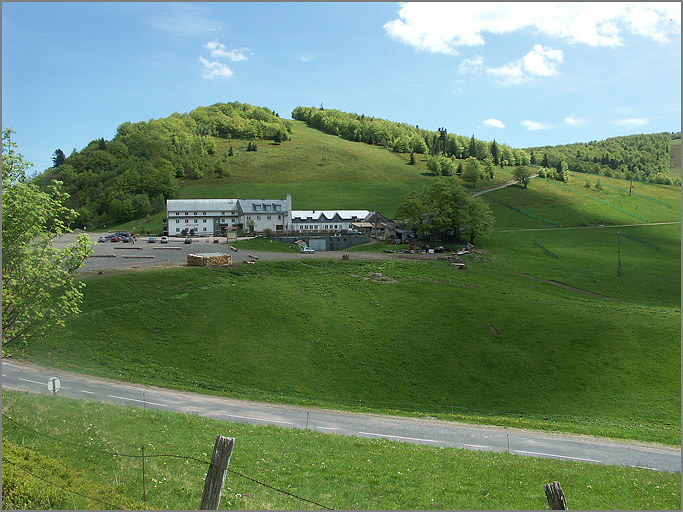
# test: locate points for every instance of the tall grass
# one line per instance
(332, 470)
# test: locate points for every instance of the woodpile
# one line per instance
(209, 259)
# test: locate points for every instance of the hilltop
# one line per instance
(325, 159)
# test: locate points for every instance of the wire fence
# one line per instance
(523, 212)
(644, 242)
(654, 200)
(599, 200)
(548, 252)
(142, 457)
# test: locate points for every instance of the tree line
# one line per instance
(643, 157)
(406, 138)
(133, 174)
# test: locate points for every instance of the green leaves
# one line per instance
(38, 288)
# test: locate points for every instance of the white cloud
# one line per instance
(219, 50)
(540, 61)
(535, 126)
(471, 65)
(509, 74)
(572, 121)
(444, 27)
(214, 69)
(632, 122)
(306, 58)
(494, 123)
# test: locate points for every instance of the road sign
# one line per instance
(53, 385)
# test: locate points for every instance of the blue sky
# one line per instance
(525, 74)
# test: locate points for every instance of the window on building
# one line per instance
(204, 220)
(195, 213)
(258, 217)
(177, 221)
(186, 213)
(204, 229)
(187, 221)
(268, 217)
(248, 217)
(279, 217)
(203, 213)
(195, 221)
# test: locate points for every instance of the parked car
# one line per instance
(307, 250)
(115, 239)
(126, 239)
(103, 239)
(188, 240)
(152, 239)
(164, 239)
(352, 232)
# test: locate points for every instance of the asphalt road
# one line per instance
(32, 378)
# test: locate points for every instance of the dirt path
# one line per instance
(566, 286)
(498, 187)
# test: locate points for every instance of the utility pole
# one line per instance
(619, 253)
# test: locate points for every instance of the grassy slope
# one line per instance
(479, 343)
(426, 337)
(336, 471)
(319, 171)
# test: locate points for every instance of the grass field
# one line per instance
(424, 337)
(331, 470)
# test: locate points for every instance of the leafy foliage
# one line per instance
(446, 208)
(38, 290)
(404, 138)
(643, 157)
(133, 174)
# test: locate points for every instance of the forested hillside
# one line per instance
(133, 174)
(405, 138)
(645, 157)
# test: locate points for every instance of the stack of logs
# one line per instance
(209, 259)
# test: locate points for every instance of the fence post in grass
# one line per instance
(555, 496)
(215, 476)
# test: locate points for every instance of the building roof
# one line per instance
(263, 205)
(214, 205)
(315, 215)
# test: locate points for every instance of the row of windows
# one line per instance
(204, 213)
(317, 226)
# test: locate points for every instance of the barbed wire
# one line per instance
(185, 457)
(111, 507)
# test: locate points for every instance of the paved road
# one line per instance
(32, 378)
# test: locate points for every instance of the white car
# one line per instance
(307, 250)
(164, 239)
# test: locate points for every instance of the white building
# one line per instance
(210, 217)
(326, 220)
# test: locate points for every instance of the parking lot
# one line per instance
(142, 254)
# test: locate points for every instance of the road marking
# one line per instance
(645, 467)
(557, 456)
(27, 380)
(89, 392)
(136, 400)
(476, 446)
(327, 428)
(400, 437)
(257, 419)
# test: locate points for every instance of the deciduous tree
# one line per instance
(38, 287)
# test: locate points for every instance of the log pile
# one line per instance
(211, 259)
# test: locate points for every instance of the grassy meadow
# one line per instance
(488, 344)
(331, 470)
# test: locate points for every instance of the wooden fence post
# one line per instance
(215, 476)
(555, 496)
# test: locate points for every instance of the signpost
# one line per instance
(53, 385)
